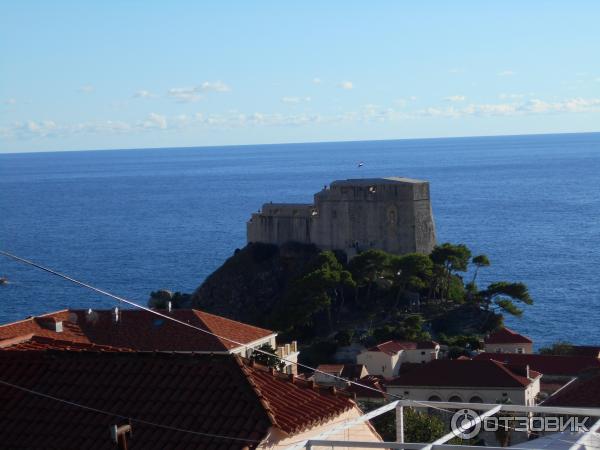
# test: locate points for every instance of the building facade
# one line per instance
(385, 359)
(391, 214)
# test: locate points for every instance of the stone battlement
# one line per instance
(391, 214)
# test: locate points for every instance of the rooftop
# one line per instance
(139, 330)
(507, 336)
(465, 373)
(372, 181)
(546, 364)
(393, 347)
(582, 393)
(216, 394)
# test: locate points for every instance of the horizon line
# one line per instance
(226, 146)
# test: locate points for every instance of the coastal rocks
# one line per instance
(249, 285)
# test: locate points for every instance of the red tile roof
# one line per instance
(33, 342)
(464, 373)
(372, 381)
(584, 392)
(140, 330)
(335, 369)
(552, 365)
(506, 336)
(393, 347)
(217, 394)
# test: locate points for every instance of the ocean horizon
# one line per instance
(137, 220)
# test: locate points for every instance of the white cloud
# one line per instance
(214, 86)
(347, 85)
(143, 94)
(87, 89)
(11, 101)
(295, 99)
(155, 121)
(189, 94)
(194, 93)
(455, 70)
(317, 80)
(506, 73)
(455, 98)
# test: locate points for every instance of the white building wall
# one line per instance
(359, 432)
(508, 348)
(419, 356)
(487, 395)
(380, 363)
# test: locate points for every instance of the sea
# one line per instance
(134, 221)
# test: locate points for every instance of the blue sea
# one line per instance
(133, 221)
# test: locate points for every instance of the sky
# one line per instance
(78, 75)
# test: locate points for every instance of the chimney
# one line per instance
(119, 435)
(115, 314)
(50, 323)
(294, 346)
(527, 372)
(169, 306)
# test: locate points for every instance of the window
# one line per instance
(422, 353)
(455, 398)
(520, 350)
(476, 399)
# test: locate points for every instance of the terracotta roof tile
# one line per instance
(506, 336)
(217, 394)
(546, 364)
(462, 373)
(582, 393)
(140, 330)
(32, 342)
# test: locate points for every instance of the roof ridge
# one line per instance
(32, 318)
(505, 367)
(247, 372)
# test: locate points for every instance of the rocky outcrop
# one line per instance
(252, 282)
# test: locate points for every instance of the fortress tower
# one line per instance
(391, 214)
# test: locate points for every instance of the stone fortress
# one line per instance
(391, 214)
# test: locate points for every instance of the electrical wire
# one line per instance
(173, 319)
(121, 416)
(152, 311)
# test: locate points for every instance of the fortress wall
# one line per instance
(392, 214)
(280, 223)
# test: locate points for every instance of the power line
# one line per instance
(121, 416)
(152, 311)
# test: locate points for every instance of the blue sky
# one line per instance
(93, 75)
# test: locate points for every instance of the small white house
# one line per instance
(506, 340)
(385, 359)
(471, 381)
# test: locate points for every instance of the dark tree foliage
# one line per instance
(558, 348)
(268, 360)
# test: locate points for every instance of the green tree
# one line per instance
(479, 261)
(369, 266)
(410, 272)
(558, 348)
(502, 295)
(449, 259)
(418, 426)
(268, 358)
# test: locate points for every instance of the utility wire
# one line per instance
(121, 416)
(152, 311)
(173, 319)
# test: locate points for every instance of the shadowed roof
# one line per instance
(582, 393)
(217, 394)
(546, 364)
(465, 373)
(140, 330)
(506, 336)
